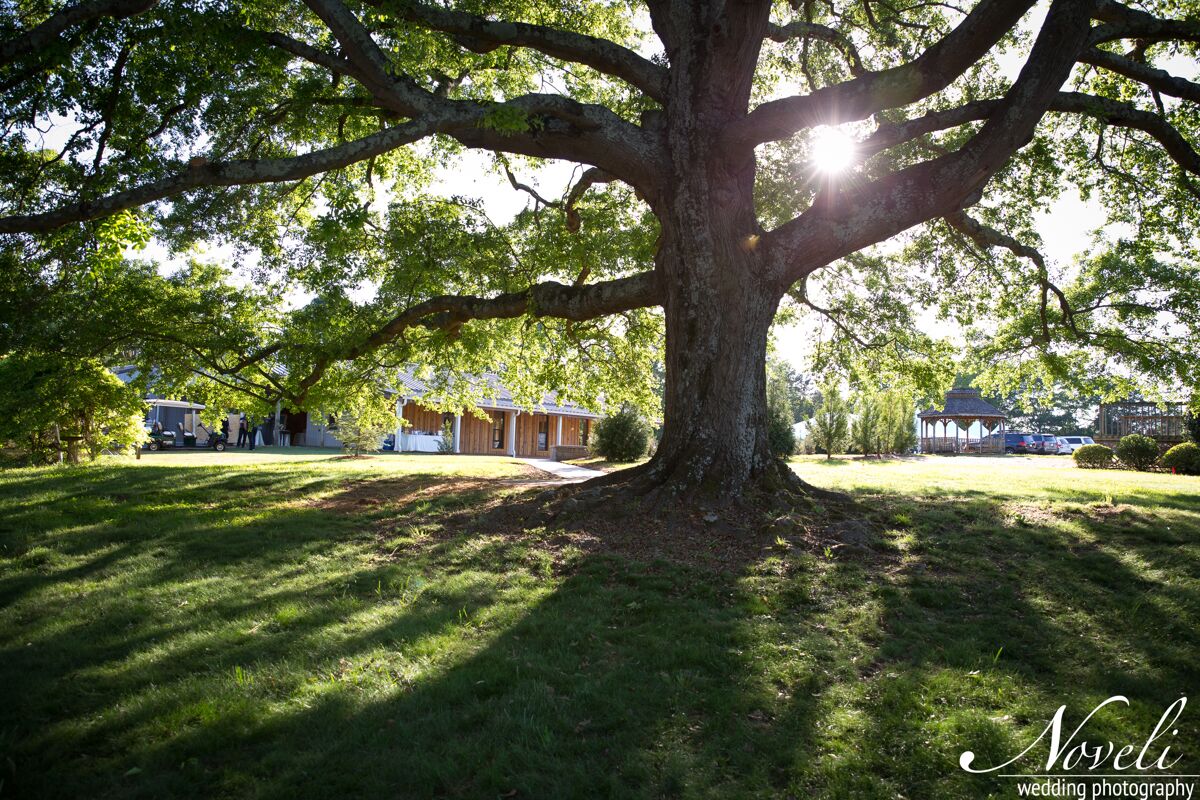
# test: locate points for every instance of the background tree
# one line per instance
(799, 387)
(361, 430)
(866, 428)
(53, 405)
(445, 444)
(831, 422)
(780, 411)
(306, 133)
(897, 428)
(365, 421)
(1192, 421)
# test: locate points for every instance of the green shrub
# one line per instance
(362, 428)
(623, 436)
(1137, 451)
(445, 444)
(1093, 456)
(1183, 458)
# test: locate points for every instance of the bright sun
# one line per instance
(832, 150)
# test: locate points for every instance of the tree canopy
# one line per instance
(308, 136)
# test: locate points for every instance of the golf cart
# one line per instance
(173, 424)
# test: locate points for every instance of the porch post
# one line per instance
(558, 432)
(399, 424)
(457, 433)
(510, 427)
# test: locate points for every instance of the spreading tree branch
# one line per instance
(482, 35)
(811, 30)
(399, 91)
(841, 222)
(565, 129)
(1156, 79)
(1110, 112)
(1125, 115)
(335, 64)
(987, 237)
(228, 173)
(857, 99)
(44, 35)
(1123, 22)
(586, 181)
(548, 299)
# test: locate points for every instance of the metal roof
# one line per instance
(495, 396)
(130, 373)
(158, 401)
(963, 403)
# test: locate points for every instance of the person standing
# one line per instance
(241, 442)
(252, 434)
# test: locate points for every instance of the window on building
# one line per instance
(498, 431)
(585, 428)
(544, 433)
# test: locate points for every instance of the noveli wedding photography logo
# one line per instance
(1077, 767)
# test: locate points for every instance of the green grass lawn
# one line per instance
(297, 626)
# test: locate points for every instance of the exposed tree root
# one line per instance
(660, 490)
(639, 505)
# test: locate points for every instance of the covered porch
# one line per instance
(502, 431)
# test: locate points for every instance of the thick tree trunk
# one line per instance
(714, 449)
(714, 442)
(720, 297)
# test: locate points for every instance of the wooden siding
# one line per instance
(423, 420)
(527, 432)
(572, 431)
(475, 435)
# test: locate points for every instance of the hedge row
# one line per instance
(1141, 453)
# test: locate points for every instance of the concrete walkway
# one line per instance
(568, 473)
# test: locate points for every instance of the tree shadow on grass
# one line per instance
(350, 648)
(1002, 612)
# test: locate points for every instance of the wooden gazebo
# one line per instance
(963, 407)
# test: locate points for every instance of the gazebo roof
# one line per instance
(962, 404)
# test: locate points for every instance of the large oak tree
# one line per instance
(279, 124)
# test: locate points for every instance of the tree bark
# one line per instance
(718, 297)
(718, 309)
(714, 445)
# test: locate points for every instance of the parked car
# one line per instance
(1014, 443)
(1069, 444)
(1045, 444)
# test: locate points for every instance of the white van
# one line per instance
(1069, 444)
